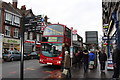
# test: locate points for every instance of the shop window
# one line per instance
(7, 31)
(16, 31)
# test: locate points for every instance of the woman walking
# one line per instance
(67, 64)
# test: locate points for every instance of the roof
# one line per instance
(9, 7)
(26, 12)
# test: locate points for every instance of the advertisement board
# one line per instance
(92, 37)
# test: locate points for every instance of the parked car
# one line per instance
(34, 55)
(27, 56)
(11, 55)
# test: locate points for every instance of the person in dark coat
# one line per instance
(85, 60)
(67, 63)
(116, 62)
(79, 56)
(102, 59)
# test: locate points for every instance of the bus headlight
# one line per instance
(41, 60)
(58, 62)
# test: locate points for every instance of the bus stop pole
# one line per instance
(22, 49)
(71, 47)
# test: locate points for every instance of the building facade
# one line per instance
(111, 25)
(10, 26)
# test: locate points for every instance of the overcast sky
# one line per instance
(83, 15)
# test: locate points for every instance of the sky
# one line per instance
(82, 15)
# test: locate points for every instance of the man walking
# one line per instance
(85, 60)
(79, 56)
(102, 59)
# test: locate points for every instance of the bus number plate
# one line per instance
(49, 63)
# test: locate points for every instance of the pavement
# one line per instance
(78, 73)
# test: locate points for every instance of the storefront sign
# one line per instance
(12, 41)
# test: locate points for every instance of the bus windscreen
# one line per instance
(51, 49)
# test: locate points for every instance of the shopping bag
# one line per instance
(91, 62)
(90, 66)
(65, 71)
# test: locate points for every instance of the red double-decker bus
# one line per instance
(56, 39)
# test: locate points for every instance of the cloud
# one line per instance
(83, 15)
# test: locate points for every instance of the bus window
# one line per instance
(51, 49)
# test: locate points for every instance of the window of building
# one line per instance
(26, 35)
(8, 18)
(7, 31)
(16, 21)
(31, 35)
(16, 31)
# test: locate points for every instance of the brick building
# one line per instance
(10, 26)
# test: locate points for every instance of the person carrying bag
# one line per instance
(66, 65)
(91, 60)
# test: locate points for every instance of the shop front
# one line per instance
(11, 44)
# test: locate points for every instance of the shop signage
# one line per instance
(12, 41)
(104, 38)
(75, 37)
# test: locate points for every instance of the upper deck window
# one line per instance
(53, 30)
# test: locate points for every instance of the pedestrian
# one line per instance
(91, 59)
(67, 64)
(85, 60)
(79, 56)
(102, 60)
(116, 62)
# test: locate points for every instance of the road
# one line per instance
(32, 69)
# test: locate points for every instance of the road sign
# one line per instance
(71, 52)
(74, 31)
(104, 38)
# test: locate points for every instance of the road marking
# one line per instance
(51, 72)
(29, 69)
(12, 72)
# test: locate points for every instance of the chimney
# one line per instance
(23, 7)
(14, 3)
(46, 18)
